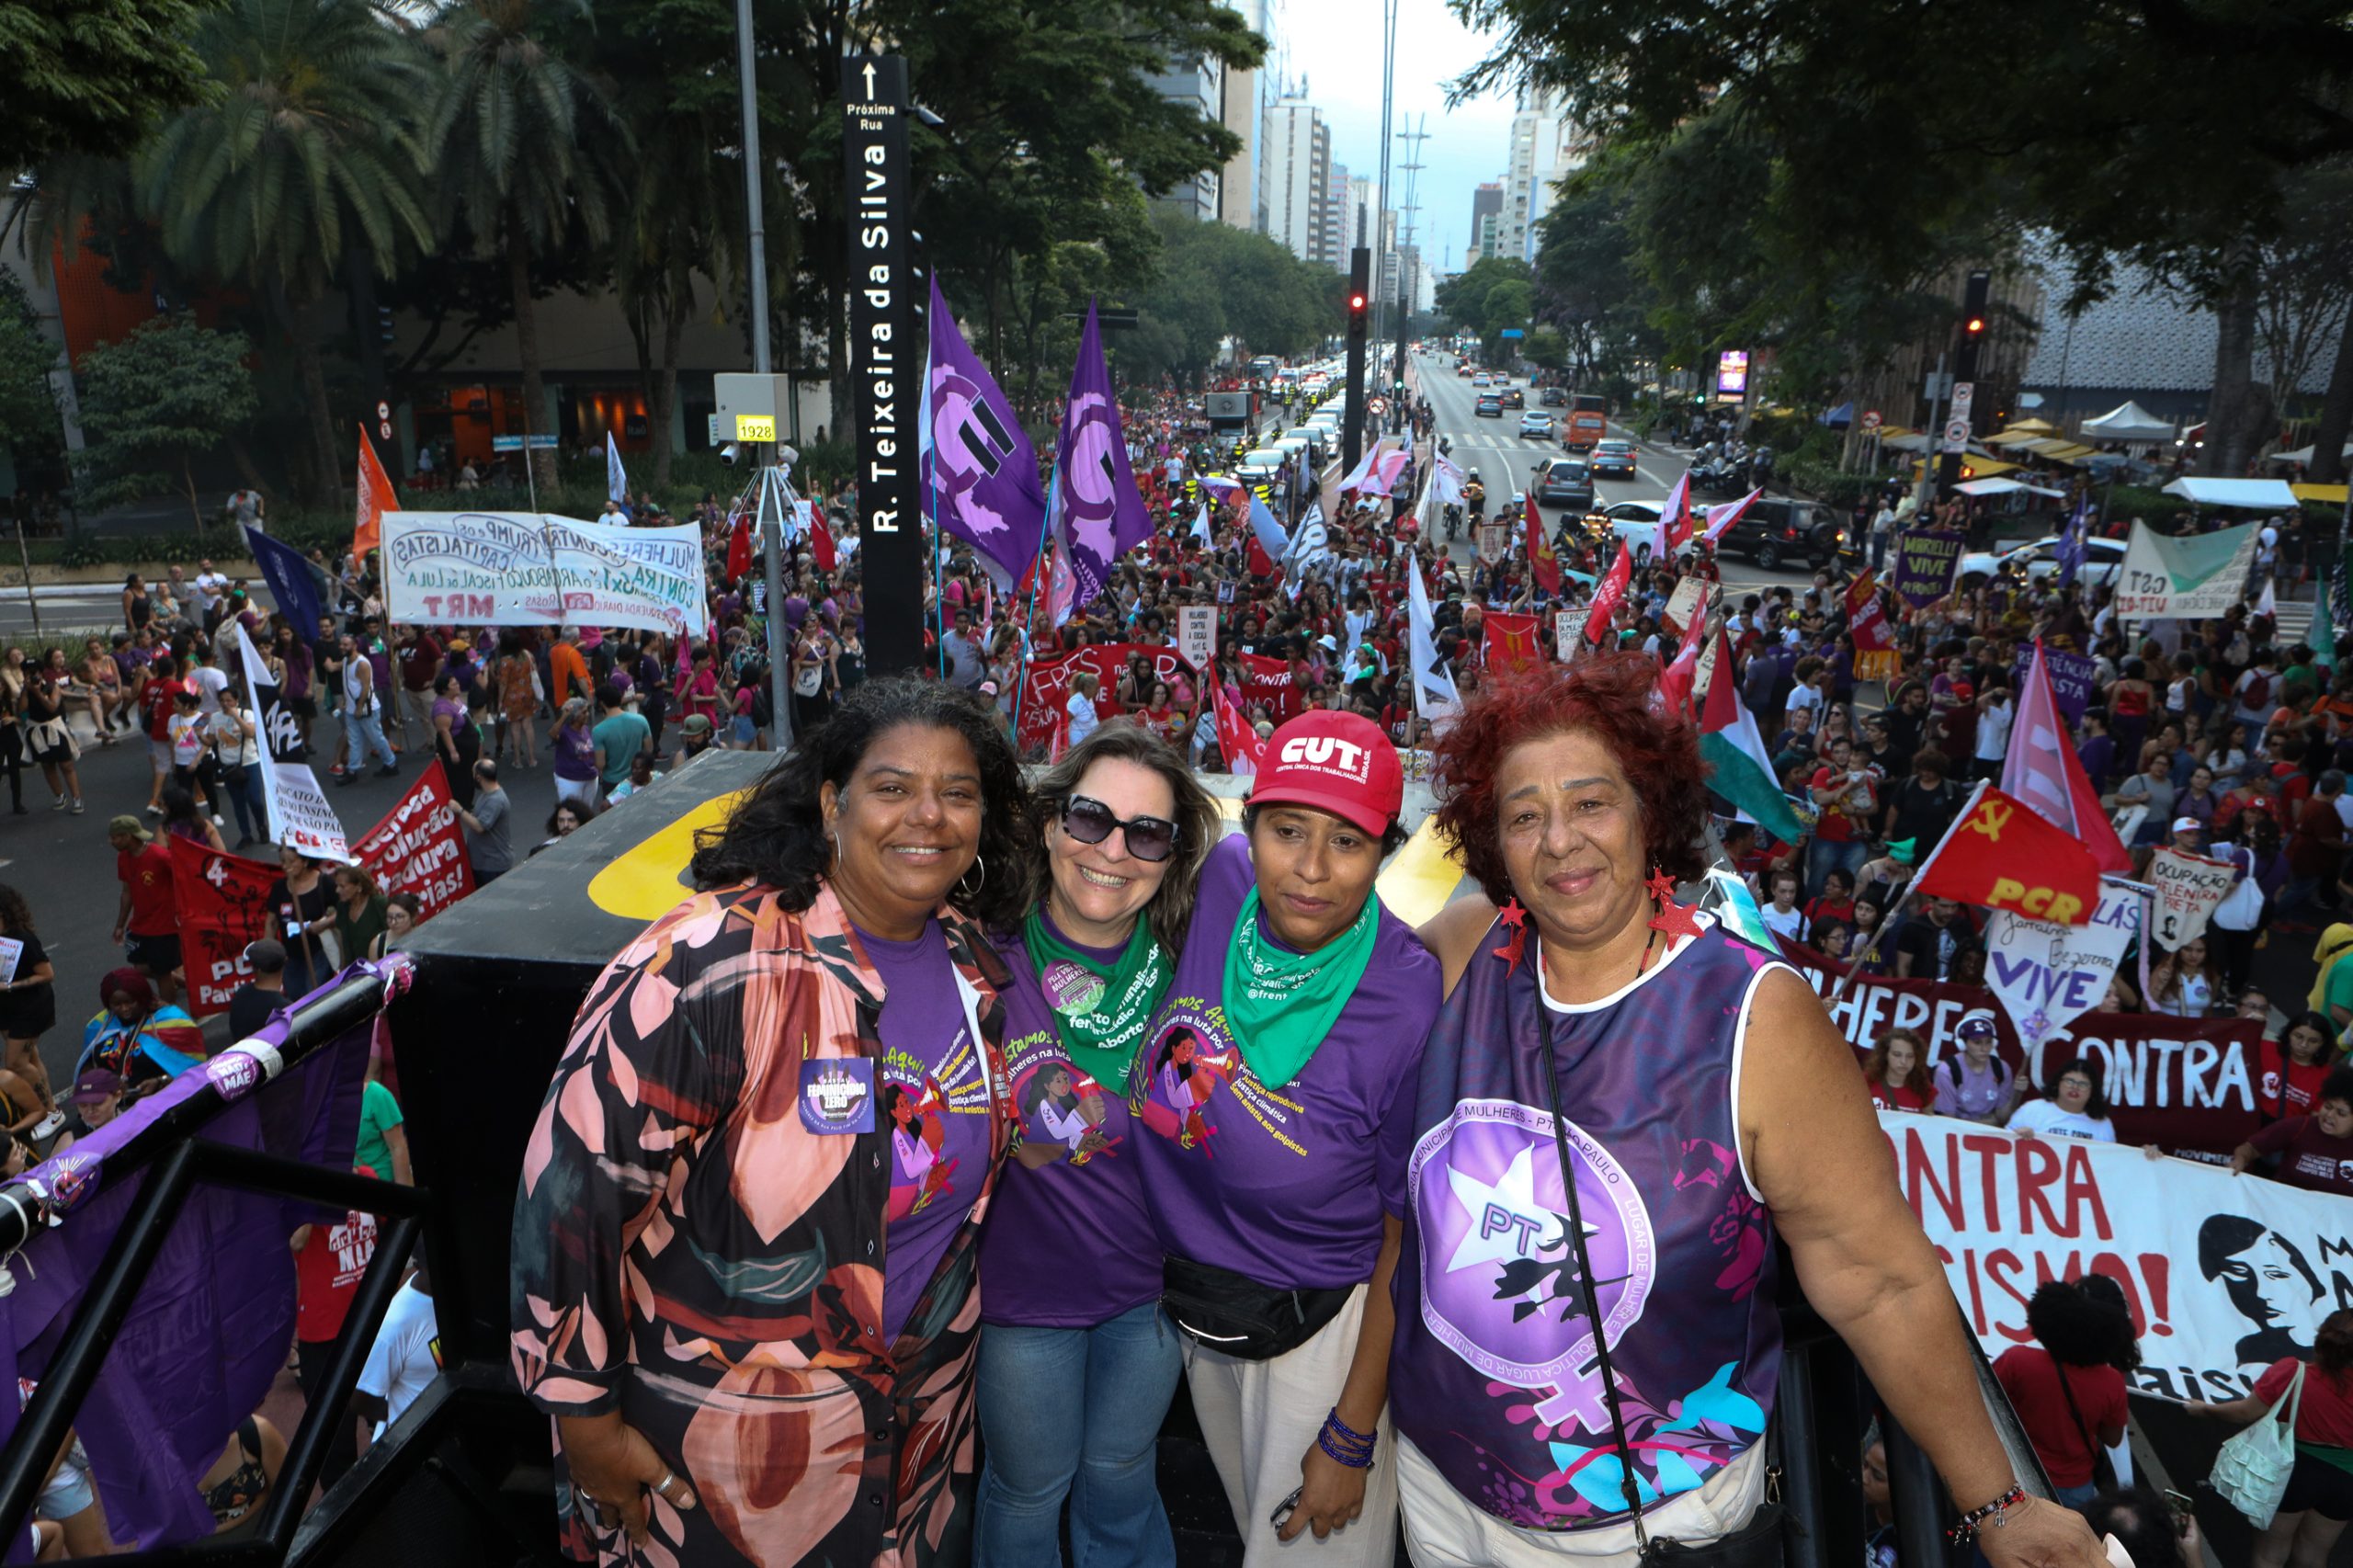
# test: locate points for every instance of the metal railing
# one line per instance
(174, 1156)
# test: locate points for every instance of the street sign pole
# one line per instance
(1974, 295)
(771, 530)
(886, 358)
(1929, 457)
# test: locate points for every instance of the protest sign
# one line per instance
(12, 952)
(2074, 678)
(1564, 634)
(1925, 566)
(2224, 1275)
(2189, 887)
(2185, 1085)
(1876, 657)
(2045, 974)
(1268, 680)
(223, 905)
(2193, 578)
(1494, 541)
(532, 569)
(1197, 635)
(1690, 598)
(299, 816)
(420, 847)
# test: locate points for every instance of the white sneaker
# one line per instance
(48, 1126)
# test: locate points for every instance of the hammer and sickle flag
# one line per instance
(2001, 854)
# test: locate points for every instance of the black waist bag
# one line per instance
(1234, 1315)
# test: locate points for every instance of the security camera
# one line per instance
(727, 454)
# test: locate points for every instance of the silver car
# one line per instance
(1535, 422)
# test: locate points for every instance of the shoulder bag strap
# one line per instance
(1584, 1264)
(2091, 1440)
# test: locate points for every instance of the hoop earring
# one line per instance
(974, 891)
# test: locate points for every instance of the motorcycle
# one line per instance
(1453, 522)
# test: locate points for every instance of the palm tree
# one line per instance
(525, 143)
(311, 148)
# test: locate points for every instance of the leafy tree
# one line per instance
(1462, 299)
(153, 400)
(28, 406)
(1215, 281)
(1547, 347)
(306, 155)
(94, 76)
(525, 143)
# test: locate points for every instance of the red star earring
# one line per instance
(1511, 914)
(1674, 919)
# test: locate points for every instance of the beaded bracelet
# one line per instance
(1344, 1444)
(1996, 1511)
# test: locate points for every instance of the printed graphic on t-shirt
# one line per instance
(918, 1098)
(1186, 1064)
(1060, 1104)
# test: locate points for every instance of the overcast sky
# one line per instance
(1336, 44)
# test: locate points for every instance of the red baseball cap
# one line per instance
(1339, 763)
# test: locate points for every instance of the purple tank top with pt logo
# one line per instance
(1493, 1372)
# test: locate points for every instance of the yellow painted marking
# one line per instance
(650, 878)
(1420, 880)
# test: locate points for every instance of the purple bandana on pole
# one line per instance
(2070, 540)
(980, 472)
(1097, 512)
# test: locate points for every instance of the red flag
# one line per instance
(223, 903)
(1610, 595)
(1674, 519)
(2003, 854)
(1256, 559)
(739, 548)
(2043, 770)
(1875, 654)
(1237, 739)
(1510, 640)
(821, 541)
(1541, 559)
(375, 487)
(1675, 681)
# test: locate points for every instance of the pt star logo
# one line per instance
(1507, 1224)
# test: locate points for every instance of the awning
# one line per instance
(2327, 494)
(1973, 466)
(2062, 451)
(2041, 426)
(2017, 433)
(2006, 487)
(2129, 423)
(2250, 493)
(2304, 455)
(1837, 418)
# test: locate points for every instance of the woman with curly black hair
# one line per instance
(2065, 1386)
(746, 1299)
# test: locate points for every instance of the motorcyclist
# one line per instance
(1474, 496)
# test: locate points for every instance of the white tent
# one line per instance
(2130, 422)
(2005, 487)
(2304, 455)
(2259, 494)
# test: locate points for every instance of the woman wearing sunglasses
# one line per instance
(1077, 1365)
(1279, 1085)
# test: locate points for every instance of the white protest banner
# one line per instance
(1565, 632)
(2187, 887)
(300, 817)
(2224, 1275)
(2193, 578)
(2046, 976)
(531, 569)
(12, 952)
(1197, 635)
(1690, 594)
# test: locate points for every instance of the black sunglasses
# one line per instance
(1091, 821)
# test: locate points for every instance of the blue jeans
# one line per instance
(1077, 1412)
(1824, 855)
(367, 740)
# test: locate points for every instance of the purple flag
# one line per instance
(1096, 511)
(980, 472)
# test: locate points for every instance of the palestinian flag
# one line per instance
(1735, 751)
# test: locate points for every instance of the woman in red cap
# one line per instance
(1279, 1081)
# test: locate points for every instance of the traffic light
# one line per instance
(1360, 316)
(1973, 299)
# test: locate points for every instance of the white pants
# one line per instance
(1260, 1418)
(1445, 1530)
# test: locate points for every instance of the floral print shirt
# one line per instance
(692, 1250)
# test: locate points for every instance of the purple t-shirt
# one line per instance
(1286, 1186)
(575, 752)
(1068, 1244)
(932, 1088)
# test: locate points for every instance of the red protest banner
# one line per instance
(419, 847)
(2185, 1085)
(1875, 654)
(1510, 642)
(223, 905)
(1268, 680)
(1047, 683)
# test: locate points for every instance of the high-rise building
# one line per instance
(1295, 176)
(1241, 185)
(1199, 85)
(1357, 226)
(1339, 225)
(1486, 212)
(1546, 148)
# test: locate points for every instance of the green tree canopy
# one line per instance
(153, 402)
(94, 76)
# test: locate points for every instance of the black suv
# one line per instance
(1515, 398)
(1781, 528)
(1554, 397)
(1565, 481)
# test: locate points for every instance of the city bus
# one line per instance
(1588, 421)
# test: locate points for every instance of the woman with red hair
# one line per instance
(1622, 1104)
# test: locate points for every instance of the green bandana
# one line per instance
(1100, 1017)
(1280, 1004)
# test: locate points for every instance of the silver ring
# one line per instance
(662, 1485)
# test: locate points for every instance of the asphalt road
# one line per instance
(1505, 459)
(64, 867)
(61, 607)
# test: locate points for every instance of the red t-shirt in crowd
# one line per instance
(1901, 1098)
(2286, 1087)
(2029, 1375)
(159, 701)
(2309, 1158)
(327, 1272)
(147, 872)
(2324, 1415)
